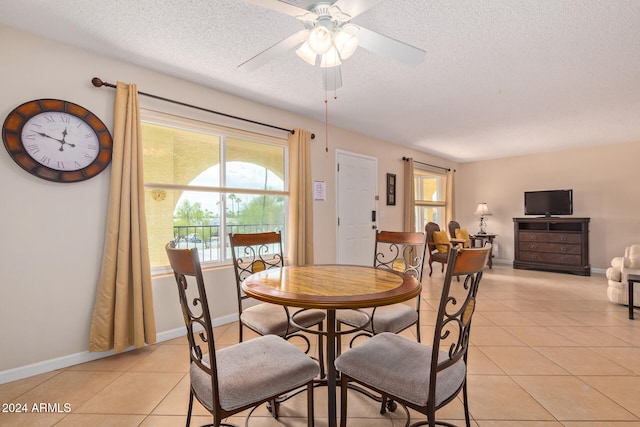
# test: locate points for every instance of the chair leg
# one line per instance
(310, 411)
(272, 406)
(465, 402)
(388, 405)
(239, 331)
(190, 408)
(430, 269)
(344, 382)
(321, 350)
(338, 340)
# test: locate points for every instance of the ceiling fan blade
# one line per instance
(332, 78)
(274, 51)
(391, 48)
(279, 6)
(354, 8)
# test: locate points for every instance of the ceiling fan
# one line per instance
(329, 37)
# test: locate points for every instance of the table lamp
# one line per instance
(483, 210)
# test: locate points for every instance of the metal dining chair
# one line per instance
(396, 251)
(255, 252)
(423, 378)
(233, 379)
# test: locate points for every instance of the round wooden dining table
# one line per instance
(331, 287)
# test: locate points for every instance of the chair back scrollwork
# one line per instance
(457, 305)
(400, 251)
(253, 253)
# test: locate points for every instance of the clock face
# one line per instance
(60, 141)
(57, 140)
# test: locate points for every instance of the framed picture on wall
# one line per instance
(391, 189)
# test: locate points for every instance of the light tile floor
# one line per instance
(548, 350)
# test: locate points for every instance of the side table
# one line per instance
(633, 278)
(482, 238)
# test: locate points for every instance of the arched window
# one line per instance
(204, 181)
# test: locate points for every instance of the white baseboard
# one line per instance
(85, 356)
(510, 262)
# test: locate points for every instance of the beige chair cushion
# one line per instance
(614, 273)
(252, 371)
(389, 318)
(618, 276)
(617, 261)
(271, 319)
(400, 367)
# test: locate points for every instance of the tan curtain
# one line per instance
(450, 208)
(123, 312)
(409, 197)
(300, 229)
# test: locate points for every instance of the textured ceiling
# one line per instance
(501, 77)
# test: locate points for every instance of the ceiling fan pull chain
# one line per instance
(326, 124)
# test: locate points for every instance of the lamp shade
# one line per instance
(482, 209)
(330, 59)
(320, 39)
(346, 41)
(306, 54)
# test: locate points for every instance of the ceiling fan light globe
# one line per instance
(307, 55)
(320, 40)
(346, 44)
(330, 59)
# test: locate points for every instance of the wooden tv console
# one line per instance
(553, 244)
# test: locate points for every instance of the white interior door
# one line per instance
(357, 182)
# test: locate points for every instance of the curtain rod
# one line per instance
(97, 82)
(406, 159)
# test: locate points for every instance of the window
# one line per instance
(204, 181)
(430, 198)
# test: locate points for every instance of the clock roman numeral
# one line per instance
(31, 136)
(92, 147)
(33, 148)
(60, 165)
(65, 119)
(45, 160)
(49, 118)
(88, 156)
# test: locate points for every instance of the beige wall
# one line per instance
(53, 233)
(324, 166)
(604, 182)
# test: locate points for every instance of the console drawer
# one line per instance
(552, 258)
(527, 236)
(556, 248)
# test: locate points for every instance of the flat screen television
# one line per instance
(548, 203)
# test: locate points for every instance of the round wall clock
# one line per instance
(57, 140)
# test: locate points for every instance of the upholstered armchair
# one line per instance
(621, 267)
(438, 245)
